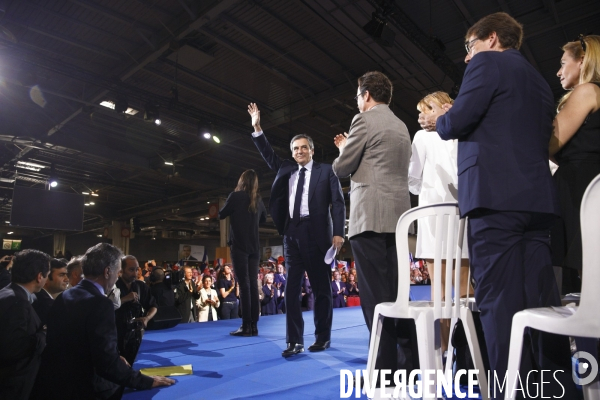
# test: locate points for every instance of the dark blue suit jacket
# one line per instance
(502, 118)
(324, 190)
(82, 348)
(338, 299)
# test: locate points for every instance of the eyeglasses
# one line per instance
(360, 94)
(468, 45)
(580, 38)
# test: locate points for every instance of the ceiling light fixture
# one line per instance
(86, 204)
(92, 203)
(53, 182)
(111, 105)
(207, 135)
(10, 233)
(216, 139)
(86, 193)
(30, 164)
(168, 163)
(151, 113)
(94, 194)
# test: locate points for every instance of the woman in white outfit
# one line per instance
(208, 301)
(432, 175)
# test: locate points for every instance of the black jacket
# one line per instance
(21, 343)
(82, 348)
(186, 300)
(42, 305)
(243, 234)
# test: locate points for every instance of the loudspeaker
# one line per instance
(166, 317)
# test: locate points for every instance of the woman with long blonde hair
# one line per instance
(246, 211)
(575, 145)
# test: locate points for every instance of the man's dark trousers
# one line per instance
(377, 268)
(510, 260)
(302, 253)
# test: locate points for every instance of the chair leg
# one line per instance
(591, 391)
(426, 344)
(448, 367)
(471, 333)
(374, 345)
(514, 358)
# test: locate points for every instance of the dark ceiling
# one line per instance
(201, 63)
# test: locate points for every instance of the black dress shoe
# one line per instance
(244, 330)
(254, 329)
(319, 346)
(293, 348)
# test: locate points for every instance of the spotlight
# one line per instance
(53, 183)
(10, 233)
(168, 162)
(207, 135)
(378, 28)
(216, 139)
(92, 203)
(151, 113)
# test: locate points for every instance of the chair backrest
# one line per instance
(590, 238)
(449, 230)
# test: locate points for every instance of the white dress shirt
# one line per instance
(293, 183)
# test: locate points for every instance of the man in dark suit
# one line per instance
(82, 338)
(308, 299)
(279, 281)
(22, 336)
(338, 291)
(187, 294)
(57, 282)
(502, 118)
(301, 196)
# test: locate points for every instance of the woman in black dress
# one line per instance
(246, 210)
(575, 145)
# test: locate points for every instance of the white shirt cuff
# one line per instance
(257, 134)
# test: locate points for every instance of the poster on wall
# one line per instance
(190, 252)
(272, 251)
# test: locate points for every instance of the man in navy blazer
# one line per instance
(22, 335)
(82, 338)
(301, 196)
(502, 119)
(338, 291)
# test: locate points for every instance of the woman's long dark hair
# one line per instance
(248, 183)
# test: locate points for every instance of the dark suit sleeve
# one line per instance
(474, 99)
(266, 151)
(267, 298)
(338, 206)
(228, 208)
(18, 342)
(102, 336)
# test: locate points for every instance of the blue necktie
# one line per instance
(298, 199)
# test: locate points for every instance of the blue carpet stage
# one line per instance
(227, 367)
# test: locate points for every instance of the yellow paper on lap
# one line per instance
(174, 370)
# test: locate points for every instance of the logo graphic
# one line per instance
(587, 368)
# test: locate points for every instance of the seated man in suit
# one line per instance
(22, 337)
(56, 283)
(81, 360)
(338, 291)
(279, 280)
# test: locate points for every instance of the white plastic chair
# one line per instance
(425, 313)
(581, 321)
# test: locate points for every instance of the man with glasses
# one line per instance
(503, 120)
(376, 154)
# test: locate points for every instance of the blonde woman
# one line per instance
(208, 302)
(575, 145)
(432, 175)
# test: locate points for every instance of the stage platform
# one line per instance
(227, 367)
